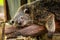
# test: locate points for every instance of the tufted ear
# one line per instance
(27, 10)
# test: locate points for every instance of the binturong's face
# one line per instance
(23, 15)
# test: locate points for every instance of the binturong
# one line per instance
(29, 13)
(34, 13)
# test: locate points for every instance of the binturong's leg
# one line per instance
(50, 25)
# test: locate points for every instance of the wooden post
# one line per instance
(5, 12)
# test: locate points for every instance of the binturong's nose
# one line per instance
(11, 22)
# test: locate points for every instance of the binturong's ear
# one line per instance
(27, 11)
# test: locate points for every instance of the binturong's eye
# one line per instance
(27, 11)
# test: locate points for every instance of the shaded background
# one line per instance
(1, 10)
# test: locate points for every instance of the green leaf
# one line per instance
(1, 2)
